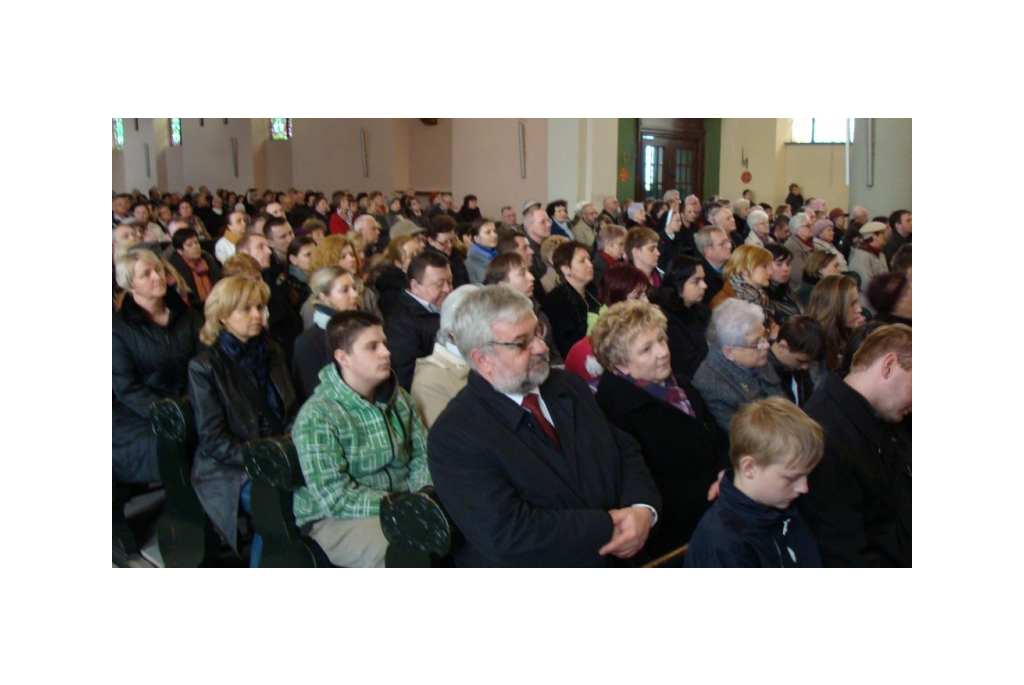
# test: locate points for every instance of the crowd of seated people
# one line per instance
(688, 327)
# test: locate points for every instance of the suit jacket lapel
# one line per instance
(560, 407)
(515, 418)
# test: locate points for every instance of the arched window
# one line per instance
(175, 131)
(280, 129)
(118, 134)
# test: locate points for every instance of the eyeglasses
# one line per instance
(521, 345)
(722, 244)
(761, 344)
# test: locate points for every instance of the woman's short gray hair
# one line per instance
(756, 217)
(481, 309)
(448, 309)
(732, 321)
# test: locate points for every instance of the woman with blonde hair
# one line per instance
(550, 280)
(155, 334)
(334, 290)
(341, 250)
(682, 445)
(747, 277)
(240, 389)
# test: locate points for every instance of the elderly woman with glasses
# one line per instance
(736, 370)
(682, 445)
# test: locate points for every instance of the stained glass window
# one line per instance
(820, 130)
(118, 134)
(175, 131)
(280, 129)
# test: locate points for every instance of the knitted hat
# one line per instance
(820, 225)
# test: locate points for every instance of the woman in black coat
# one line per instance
(570, 302)
(392, 280)
(240, 390)
(684, 448)
(680, 298)
(155, 333)
(469, 212)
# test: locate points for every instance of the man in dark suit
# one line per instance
(412, 326)
(714, 249)
(524, 461)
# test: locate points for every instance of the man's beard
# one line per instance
(520, 384)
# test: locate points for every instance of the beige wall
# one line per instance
(207, 153)
(819, 170)
(774, 163)
(326, 154)
(756, 140)
(570, 158)
(430, 156)
(485, 162)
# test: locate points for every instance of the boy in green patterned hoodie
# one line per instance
(358, 437)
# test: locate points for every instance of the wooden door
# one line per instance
(671, 156)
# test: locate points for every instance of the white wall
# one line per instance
(129, 165)
(564, 155)
(602, 152)
(581, 159)
(893, 154)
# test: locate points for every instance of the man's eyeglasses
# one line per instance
(521, 345)
(722, 244)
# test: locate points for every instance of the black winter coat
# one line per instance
(312, 353)
(411, 331)
(229, 412)
(859, 497)
(150, 363)
(283, 315)
(568, 314)
(390, 285)
(683, 454)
